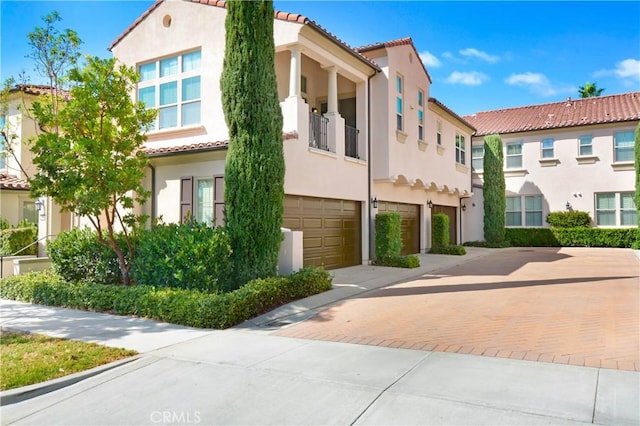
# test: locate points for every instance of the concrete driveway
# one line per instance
(578, 306)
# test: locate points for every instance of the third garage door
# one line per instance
(409, 226)
(331, 230)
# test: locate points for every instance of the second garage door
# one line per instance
(331, 230)
(410, 225)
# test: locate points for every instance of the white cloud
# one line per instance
(539, 84)
(629, 68)
(429, 59)
(475, 53)
(472, 78)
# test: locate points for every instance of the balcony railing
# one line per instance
(351, 142)
(318, 132)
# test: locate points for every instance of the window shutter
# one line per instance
(186, 198)
(218, 200)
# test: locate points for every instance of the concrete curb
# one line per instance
(24, 393)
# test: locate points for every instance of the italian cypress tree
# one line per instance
(254, 171)
(494, 190)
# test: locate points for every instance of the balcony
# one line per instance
(318, 134)
(351, 142)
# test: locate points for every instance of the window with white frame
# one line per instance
(513, 211)
(173, 86)
(477, 158)
(533, 210)
(547, 148)
(420, 115)
(616, 209)
(204, 200)
(399, 103)
(586, 145)
(461, 151)
(29, 212)
(514, 155)
(623, 146)
(439, 132)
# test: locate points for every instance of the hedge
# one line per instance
(569, 219)
(573, 237)
(451, 249)
(410, 261)
(388, 234)
(440, 236)
(193, 308)
(15, 239)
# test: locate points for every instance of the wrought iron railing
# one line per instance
(318, 132)
(351, 142)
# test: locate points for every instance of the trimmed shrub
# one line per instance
(569, 219)
(450, 249)
(14, 239)
(410, 261)
(388, 234)
(191, 255)
(494, 190)
(502, 244)
(440, 236)
(77, 255)
(572, 237)
(193, 308)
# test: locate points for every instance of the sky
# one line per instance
(480, 55)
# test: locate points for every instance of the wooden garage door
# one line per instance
(331, 230)
(453, 224)
(409, 226)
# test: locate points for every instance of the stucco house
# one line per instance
(571, 155)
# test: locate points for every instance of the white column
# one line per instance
(332, 96)
(295, 72)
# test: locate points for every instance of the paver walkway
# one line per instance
(575, 306)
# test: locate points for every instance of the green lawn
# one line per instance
(33, 358)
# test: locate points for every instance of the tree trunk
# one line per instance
(122, 264)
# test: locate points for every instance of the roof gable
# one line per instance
(407, 41)
(570, 113)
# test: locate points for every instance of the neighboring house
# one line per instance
(420, 159)
(570, 155)
(16, 166)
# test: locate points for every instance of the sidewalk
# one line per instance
(195, 376)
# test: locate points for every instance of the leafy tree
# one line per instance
(254, 173)
(92, 164)
(590, 90)
(494, 190)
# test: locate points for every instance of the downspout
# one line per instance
(153, 193)
(369, 172)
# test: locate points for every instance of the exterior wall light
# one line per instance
(464, 208)
(430, 204)
(375, 202)
(39, 205)
(568, 206)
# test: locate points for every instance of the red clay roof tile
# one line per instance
(450, 111)
(407, 41)
(13, 182)
(569, 113)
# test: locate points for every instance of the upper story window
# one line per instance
(173, 86)
(439, 132)
(514, 155)
(586, 145)
(420, 115)
(399, 103)
(461, 151)
(623, 146)
(547, 148)
(477, 158)
(616, 209)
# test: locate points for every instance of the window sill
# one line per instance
(355, 161)
(422, 145)
(175, 131)
(587, 159)
(322, 152)
(548, 162)
(622, 166)
(440, 149)
(515, 172)
(401, 136)
(462, 168)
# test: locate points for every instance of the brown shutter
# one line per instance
(218, 200)
(186, 198)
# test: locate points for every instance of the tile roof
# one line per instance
(569, 113)
(37, 89)
(407, 41)
(280, 15)
(13, 182)
(199, 147)
(450, 111)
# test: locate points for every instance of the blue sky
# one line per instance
(481, 55)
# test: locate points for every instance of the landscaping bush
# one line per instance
(191, 255)
(13, 240)
(77, 255)
(487, 244)
(193, 308)
(569, 219)
(410, 261)
(572, 237)
(440, 236)
(388, 234)
(450, 249)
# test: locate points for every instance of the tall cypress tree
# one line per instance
(254, 172)
(494, 190)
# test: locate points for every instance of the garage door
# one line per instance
(453, 224)
(409, 225)
(331, 230)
